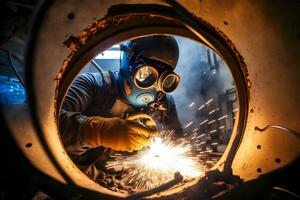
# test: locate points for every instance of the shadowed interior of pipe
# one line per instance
(208, 101)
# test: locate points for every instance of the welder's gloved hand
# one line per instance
(119, 134)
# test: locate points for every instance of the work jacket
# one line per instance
(97, 94)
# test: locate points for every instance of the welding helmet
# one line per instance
(147, 69)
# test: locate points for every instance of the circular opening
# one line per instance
(145, 77)
(208, 122)
(206, 105)
(170, 83)
(71, 16)
(28, 145)
(259, 170)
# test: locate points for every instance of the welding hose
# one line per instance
(276, 126)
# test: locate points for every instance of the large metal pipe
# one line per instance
(255, 37)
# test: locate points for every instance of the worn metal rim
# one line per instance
(99, 42)
(221, 46)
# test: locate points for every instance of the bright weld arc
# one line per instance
(156, 165)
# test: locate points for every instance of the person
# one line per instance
(116, 109)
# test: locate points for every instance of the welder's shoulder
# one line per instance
(169, 101)
(91, 79)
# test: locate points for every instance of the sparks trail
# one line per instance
(191, 104)
(205, 104)
(188, 124)
(235, 110)
(200, 108)
(214, 110)
(213, 131)
(223, 117)
(157, 164)
(212, 121)
(221, 127)
(203, 122)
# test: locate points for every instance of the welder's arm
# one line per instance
(172, 120)
(80, 132)
(72, 121)
(118, 134)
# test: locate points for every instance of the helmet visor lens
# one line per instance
(145, 77)
(170, 83)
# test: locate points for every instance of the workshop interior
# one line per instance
(159, 99)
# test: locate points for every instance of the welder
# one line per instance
(116, 109)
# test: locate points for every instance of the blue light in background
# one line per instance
(11, 91)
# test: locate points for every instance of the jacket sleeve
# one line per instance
(71, 120)
(172, 121)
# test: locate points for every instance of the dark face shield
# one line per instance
(146, 77)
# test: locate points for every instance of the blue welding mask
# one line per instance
(147, 69)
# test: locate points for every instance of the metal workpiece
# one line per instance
(258, 40)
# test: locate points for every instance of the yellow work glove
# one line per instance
(119, 134)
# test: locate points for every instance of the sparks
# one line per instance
(211, 112)
(203, 122)
(209, 101)
(188, 124)
(205, 104)
(212, 121)
(222, 127)
(191, 104)
(155, 165)
(201, 107)
(223, 117)
(212, 131)
(195, 129)
(235, 110)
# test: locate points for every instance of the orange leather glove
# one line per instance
(119, 134)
